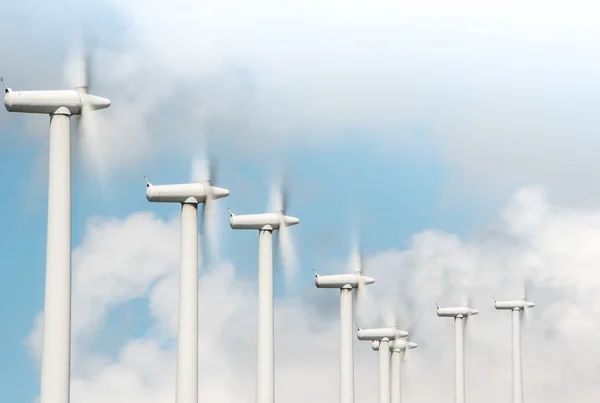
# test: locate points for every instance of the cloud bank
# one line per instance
(504, 94)
(555, 248)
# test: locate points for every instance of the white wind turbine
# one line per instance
(189, 195)
(60, 105)
(346, 283)
(399, 350)
(518, 308)
(265, 224)
(384, 337)
(460, 315)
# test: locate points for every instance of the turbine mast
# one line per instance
(265, 372)
(56, 345)
(346, 346)
(459, 360)
(516, 357)
(396, 375)
(384, 370)
(187, 338)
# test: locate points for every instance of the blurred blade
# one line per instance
(356, 259)
(203, 171)
(390, 319)
(277, 202)
(93, 155)
(526, 288)
(210, 231)
(288, 255)
(405, 354)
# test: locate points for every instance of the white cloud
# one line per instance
(554, 247)
(505, 92)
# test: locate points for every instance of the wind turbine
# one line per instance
(399, 350)
(60, 105)
(189, 195)
(265, 224)
(383, 336)
(518, 308)
(346, 283)
(460, 315)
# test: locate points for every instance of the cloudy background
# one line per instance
(460, 136)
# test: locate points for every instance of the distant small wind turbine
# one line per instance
(60, 105)
(346, 283)
(383, 336)
(518, 308)
(265, 224)
(189, 195)
(460, 315)
(399, 350)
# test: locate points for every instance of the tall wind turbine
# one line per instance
(60, 105)
(189, 195)
(346, 283)
(460, 315)
(399, 350)
(518, 308)
(265, 224)
(383, 336)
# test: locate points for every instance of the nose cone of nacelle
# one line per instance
(8, 101)
(473, 311)
(219, 193)
(97, 102)
(529, 304)
(410, 344)
(290, 220)
(367, 280)
(400, 333)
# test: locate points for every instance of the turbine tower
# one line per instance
(518, 309)
(460, 315)
(346, 283)
(60, 105)
(265, 224)
(399, 350)
(383, 336)
(189, 196)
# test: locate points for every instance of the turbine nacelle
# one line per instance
(511, 305)
(396, 345)
(353, 280)
(47, 102)
(454, 312)
(260, 221)
(378, 334)
(183, 193)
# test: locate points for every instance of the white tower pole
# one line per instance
(187, 345)
(396, 376)
(384, 370)
(265, 389)
(56, 350)
(516, 357)
(346, 346)
(459, 360)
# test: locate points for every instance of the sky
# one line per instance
(461, 139)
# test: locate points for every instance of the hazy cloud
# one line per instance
(553, 247)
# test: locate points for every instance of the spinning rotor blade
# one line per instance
(87, 125)
(287, 252)
(203, 171)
